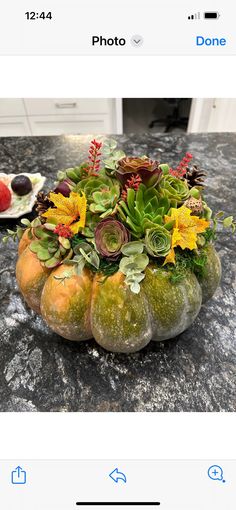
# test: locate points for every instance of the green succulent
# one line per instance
(50, 248)
(207, 212)
(91, 222)
(176, 190)
(85, 254)
(112, 155)
(99, 183)
(165, 168)
(104, 201)
(75, 174)
(18, 233)
(144, 209)
(158, 241)
(133, 264)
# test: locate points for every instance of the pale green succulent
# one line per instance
(133, 264)
(18, 233)
(174, 189)
(74, 174)
(104, 201)
(50, 248)
(99, 183)
(207, 212)
(85, 253)
(158, 241)
(112, 155)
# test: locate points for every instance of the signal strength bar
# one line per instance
(194, 16)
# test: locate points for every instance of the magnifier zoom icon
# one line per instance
(216, 473)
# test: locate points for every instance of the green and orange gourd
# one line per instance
(101, 261)
(79, 307)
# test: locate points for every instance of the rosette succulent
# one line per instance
(110, 236)
(73, 175)
(51, 249)
(104, 201)
(143, 209)
(102, 192)
(158, 241)
(176, 190)
(146, 168)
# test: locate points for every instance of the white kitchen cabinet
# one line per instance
(69, 124)
(14, 126)
(71, 106)
(12, 108)
(212, 115)
(57, 116)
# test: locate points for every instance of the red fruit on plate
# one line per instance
(5, 197)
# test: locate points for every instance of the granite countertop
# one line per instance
(39, 371)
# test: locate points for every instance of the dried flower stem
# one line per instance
(134, 183)
(94, 161)
(181, 169)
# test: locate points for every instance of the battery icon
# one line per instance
(211, 15)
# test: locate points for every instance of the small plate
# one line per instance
(25, 204)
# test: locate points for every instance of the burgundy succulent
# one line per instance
(110, 235)
(146, 168)
(63, 188)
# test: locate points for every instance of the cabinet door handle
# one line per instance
(62, 106)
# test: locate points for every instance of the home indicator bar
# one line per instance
(120, 503)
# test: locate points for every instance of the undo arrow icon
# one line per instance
(117, 475)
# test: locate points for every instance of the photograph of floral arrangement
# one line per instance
(122, 249)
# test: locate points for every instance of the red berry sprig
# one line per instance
(181, 169)
(132, 183)
(94, 161)
(63, 231)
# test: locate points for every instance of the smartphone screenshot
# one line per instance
(117, 255)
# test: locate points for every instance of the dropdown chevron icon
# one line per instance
(136, 40)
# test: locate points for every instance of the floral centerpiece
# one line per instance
(122, 250)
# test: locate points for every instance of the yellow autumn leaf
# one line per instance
(68, 210)
(186, 228)
(170, 258)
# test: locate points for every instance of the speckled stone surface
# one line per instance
(39, 371)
